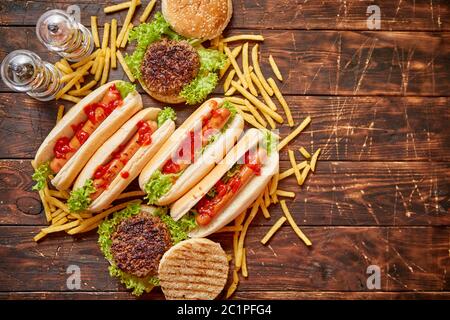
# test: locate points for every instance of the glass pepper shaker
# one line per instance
(24, 71)
(60, 33)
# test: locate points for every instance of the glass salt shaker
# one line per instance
(24, 71)
(60, 33)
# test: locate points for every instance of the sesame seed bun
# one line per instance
(197, 18)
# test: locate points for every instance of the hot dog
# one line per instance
(84, 129)
(232, 185)
(120, 160)
(191, 152)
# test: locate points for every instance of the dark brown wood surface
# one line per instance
(380, 109)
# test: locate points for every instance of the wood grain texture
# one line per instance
(345, 128)
(266, 14)
(340, 193)
(337, 261)
(326, 62)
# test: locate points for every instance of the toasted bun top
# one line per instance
(193, 269)
(198, 18)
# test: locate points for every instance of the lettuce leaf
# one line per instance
(80, 198)
(145, 34)
(166, 114)
(40, 175)
(199, 88)
(211, 60)
(178, 231)
(270, 142)
(228, 105)
(105, 231)
(125, 88)
(158, 185)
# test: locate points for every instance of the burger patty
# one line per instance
(139, 243)
(168, 66)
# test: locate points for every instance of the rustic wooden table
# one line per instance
(380, 106)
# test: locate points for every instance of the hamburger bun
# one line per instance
(197, 18)
(193, 269)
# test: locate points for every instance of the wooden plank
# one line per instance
(265, 14)
(340, 193)
(345, 128)
(239, 295)
(337, 260)
(328, 62)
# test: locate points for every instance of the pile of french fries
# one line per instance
(256, 98)
(99, 64)
(254, 95)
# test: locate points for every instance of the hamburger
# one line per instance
(172, 68)
(134, 241)
(197, 18)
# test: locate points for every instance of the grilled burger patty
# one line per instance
(139, 243)
(168, 66)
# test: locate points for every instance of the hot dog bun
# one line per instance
(243, 199)
(205, 163)
(65, 177)
(134, 165)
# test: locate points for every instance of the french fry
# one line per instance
(266, 196)
(283, 193)
(86, 223)
(304, 153)
(60, 113)
(244, 263)
(240, 219)
(65, 63)
(56, 213)
(68, 77)
(91, 227)
(257, 103)
(125, 67)
(274, 198)
(236, 67)
(290, 171)
(235, 52)
(48, 214)
(273, 229)
(77, 86)
(275, 69)
(60, 216)
(125, 38)
(39, 236)
(58, 194)
(91, 57)
(70, 98)
(130, 194)
(233, 286)
(250, 119)
(244, 37)
(255, 113)
(314, 158)
(113, 43)
(264, 94)
(128, 18)
(230, 76)
(249, 220)
(58, 203)
(99, 70)
(294, 133)
(294, 166)
(274, 183)
(71, 83)
(269, 120)
(236, 100)
(282, 101)
(105, 38)
(94, 29)
(262, 203)
(63, 68)
(305, 173)
(119, 6)
(259, 72)
(105, 73)
(147, 11)
(294, 226)
(96, 61)
(66, 226)
(83, 89)
(246, 70)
